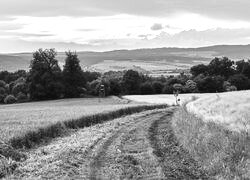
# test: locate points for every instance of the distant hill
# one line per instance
(191, 56)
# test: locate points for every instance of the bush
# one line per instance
(158, 87)
(168, 89)
(21, 97)
(2, 84)
(20, 87)
(146, 88)
(190, 86)
(10, 99)
(240, 81)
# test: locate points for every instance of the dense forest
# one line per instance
(45, 80)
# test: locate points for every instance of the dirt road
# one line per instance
(140, 146)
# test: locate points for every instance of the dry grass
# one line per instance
(163, 98)
(231, 109)
(223, 154)
(18, 119)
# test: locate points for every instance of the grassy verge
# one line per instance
(222, 153)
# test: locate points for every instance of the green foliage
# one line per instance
(240, 81)
(146, 88)
(21, 97)
(12, 76)
(221, 66)
(209, 84)
(20, 88)
(2, 84)
(131, 82)
(178, 87)
(158, 87)
(199, 69)
(115, 87)
(73, 77)
(168, 89)
(191, 86)
(10, 99)
(45, 78)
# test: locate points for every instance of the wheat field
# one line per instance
(18, 119)
(231, 109)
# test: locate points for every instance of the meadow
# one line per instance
(18, 119)
(230, 109)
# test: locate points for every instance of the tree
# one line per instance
(73, 77)
(146, 88)
(115, 87)
(158, 87)
(209, 84)
(131, 82)
(221, 66)
(191, 86)
(243, 67)
(199, 69)
(240, 81)
(45, 76)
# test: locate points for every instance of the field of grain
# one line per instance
(18, 119)
(231, 109)
(164, 98)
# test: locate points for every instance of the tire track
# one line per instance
(176, 163)
(124, 158)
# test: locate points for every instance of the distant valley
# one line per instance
(158, 61)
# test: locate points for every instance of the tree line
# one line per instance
(45, 80)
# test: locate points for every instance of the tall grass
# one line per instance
(222, 153)
(32, 138)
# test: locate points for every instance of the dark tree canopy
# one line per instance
(243, 67)
(199, 69)
(73, 77)
(45, 76)
(240, 81)
(131, 82)
(221, 66)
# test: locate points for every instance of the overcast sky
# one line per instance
(100, 25)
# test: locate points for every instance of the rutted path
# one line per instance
(139, 146)
(127, 154)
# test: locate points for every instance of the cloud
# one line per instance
(228, 9)
(86, 29)
(156, 27)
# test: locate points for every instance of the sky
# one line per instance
(103, 25)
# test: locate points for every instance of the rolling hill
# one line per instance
(157, 59)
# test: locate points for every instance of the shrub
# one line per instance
(146, 88)
(178, 87)
(2, 84)
(240, 81)
(21, 97)
(158, 87)
(20, 87)
(168, 89)
(10, 99)
(115, 87)
(190, 86)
